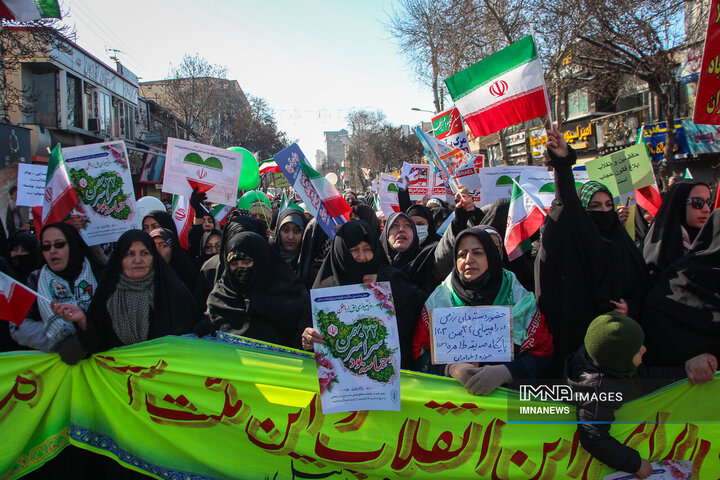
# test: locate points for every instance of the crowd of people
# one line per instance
(589, 304)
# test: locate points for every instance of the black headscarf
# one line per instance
(418, 210)
(664, 241)
(416, 261)
(493, 232)
(367, 215)
(23, 265)
(179, 260)
(174, 311)
(581, 268)
(496, 215)
(484, 289)
(210, 271)
(299, 219)
(204, 257)
(340, 268)
(78, 252)
(681, 318)
(314, 248)
(164, 219)
(268, 302)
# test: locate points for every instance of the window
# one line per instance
(107, 118)
(42, 99)
(577, 103)
(74, 102)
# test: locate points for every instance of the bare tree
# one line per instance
(254, 127)
(195, 91)
(22, 42)
(376, 144)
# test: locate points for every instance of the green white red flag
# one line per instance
(286, 203)
(504, 89)
(183, 215)
(60, 195)
(268, 166)
(321, 199)
(29, 10)
(221, 212)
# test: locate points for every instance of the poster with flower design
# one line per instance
(100, 173)
(359, 363)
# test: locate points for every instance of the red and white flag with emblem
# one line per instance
(504, 89)
(183, 216)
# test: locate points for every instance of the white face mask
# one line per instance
(422, 232)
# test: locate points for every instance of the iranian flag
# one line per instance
(183, 216)
(285, 203)
(221, 212)
(330, 197)
(321, 199)
(504, 89)
(267, 166)
(60, 195)
(29, 10)
(15, 300)
(525, 217)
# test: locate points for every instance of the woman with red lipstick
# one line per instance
(70, 276)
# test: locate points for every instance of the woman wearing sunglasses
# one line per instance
(139, 298)
(69, 276)
(685, 209)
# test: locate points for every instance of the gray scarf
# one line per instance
(129, 308)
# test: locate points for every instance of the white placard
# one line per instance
(359, 363)
(471, 334)
(31, 185)
(388, 195)
(100, 173)
(214, 170)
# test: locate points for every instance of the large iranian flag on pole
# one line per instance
(504, 89)
(60, 194)
(29, 10)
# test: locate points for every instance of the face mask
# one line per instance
(603, 220)
(422, 232)
(242, 274)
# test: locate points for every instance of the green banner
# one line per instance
(192, 408)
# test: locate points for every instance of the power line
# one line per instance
(95, 19)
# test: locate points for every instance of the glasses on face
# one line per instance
(58, 245)
(212, 247)
(698, 203)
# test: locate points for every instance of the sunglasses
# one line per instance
(57, 245)
(698, 203)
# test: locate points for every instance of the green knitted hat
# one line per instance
(612, 340)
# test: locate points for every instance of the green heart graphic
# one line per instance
(392, 188)
(359, 346)
(104, 194)
(210, 162)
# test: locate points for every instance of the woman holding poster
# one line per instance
(479, 279)
(356, 258)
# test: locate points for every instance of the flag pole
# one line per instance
(8, 277)
(530, 197)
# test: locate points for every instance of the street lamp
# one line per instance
(416, 109)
